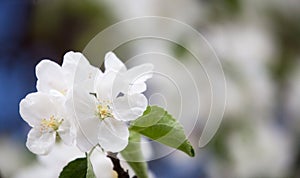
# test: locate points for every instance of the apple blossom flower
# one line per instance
(115, 98)
(46, 115)
(59, 80)
(102, 114)
(101, 103)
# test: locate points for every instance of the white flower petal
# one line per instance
(136, 88)
(40, 143)
(106, 86)
(60, 156)
(113, 63)
(140, 73)
(87, 136)
(50, 77)
(70, 63)
(102, 165)
(137, 77)
(71, 59)
(82, 106)
(82, 103)
(67, 132)
(37, 106)
(133, 80)
(129, 107)
(113, 135)
(78, 68)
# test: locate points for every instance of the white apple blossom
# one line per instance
(101, 113)
(46, 115)
(59, 80)
(78, 95)
(45, 110)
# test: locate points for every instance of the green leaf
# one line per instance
(133, 155)
(76, 168)
(80, 167)
(160, 126)
(150, 117)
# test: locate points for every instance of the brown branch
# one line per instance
(117, 166)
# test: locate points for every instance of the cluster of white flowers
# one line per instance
(83, 106)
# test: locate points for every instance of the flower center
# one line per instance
(104, 110)
(63, 92)
(52, 123)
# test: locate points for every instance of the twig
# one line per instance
(117, 166)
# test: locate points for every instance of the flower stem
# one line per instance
(117, 166)
(91, 151)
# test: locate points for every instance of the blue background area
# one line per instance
(16, 65)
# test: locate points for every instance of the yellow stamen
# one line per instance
(51, 123)
(63, 92)
(104, 111)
